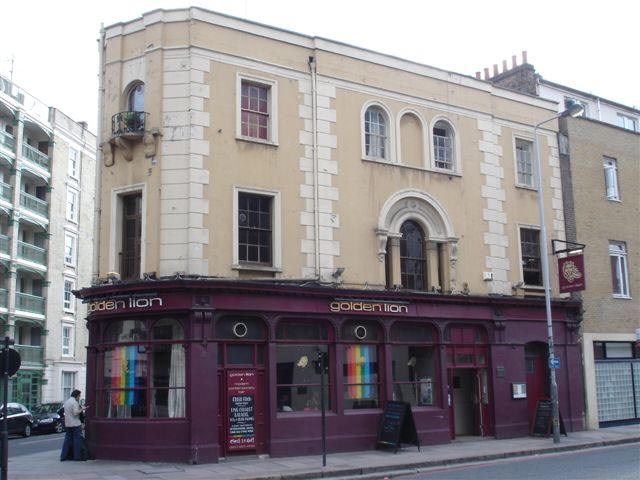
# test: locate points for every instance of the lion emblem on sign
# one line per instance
(570, 272)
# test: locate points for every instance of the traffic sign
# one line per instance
(554, 362)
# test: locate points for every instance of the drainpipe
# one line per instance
(314, 128)
(98, 189)
(599, 111)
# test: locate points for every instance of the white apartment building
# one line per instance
(47, 168)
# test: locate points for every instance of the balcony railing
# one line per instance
(34, 204)
(30, 354)
(4, 297)
(5, 191)
(4, 244)
(7, 140)
(29, 303)
(35, 155)
(129, 124)
(32, 253)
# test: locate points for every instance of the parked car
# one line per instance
(48, 417)
(19, 419)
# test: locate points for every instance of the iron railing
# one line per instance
(30, 354)
(4, 297)
(36, 156)
(34, 204)
(32, 253)
(4, 244)
(7, 140)
(5, 191)
(128, 123)
(29, 303)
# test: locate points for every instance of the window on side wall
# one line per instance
(256, 110)
(611, 178)
(375, 134)
(67, 341)
(530, 251)
(524, 163)
(255, 229)
(443, 146)
(72, 205)
(68, 384)
(70, 249)
(619, 271)
(73, 168)
(68, 303)
(626, 122)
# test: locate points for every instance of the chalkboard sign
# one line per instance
(397, 426)
(542, 424)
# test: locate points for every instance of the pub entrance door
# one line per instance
(468, 402)
(537, 376)
(242, 419)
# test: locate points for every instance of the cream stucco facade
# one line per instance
(336, 211)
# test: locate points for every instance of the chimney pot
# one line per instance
(486, 74)
(504, 66)
(495, 69)
(524, 56)
(514, 62)
(478, 75)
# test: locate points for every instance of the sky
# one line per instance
(580, 44)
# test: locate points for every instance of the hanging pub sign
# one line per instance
(241, 387)
(571, 273)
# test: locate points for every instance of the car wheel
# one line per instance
(59, 427)
(27, 430)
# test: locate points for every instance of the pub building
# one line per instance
(186, 369)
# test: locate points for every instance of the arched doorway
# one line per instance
(537, 375)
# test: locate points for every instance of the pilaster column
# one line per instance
(433, 280)
(394, 250)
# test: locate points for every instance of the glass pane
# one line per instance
(412, 364)
(239, 354)
(292, 330)
(124, 403)
(125, 330)
(302, 398)
(229, 328)
(360, 370)
(411, 332)
(296, 364)
(614, 391)
(619, 350)
(417, 394)
(167, 403)
(125, 367)
(167, 366)
(167, 329)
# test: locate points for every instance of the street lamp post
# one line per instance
(573, 111)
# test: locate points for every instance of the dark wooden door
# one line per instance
(131, 236)
(536, 382)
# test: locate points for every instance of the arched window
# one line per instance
(135, 101)
(375, 133)
(412, 256)
(142, 376)
(443, 143)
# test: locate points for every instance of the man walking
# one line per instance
(72, 411)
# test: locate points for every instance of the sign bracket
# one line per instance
(570, 247)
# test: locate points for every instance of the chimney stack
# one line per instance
(524, 56)
(514, 62)
(495, 69)
(486, 74)
(504, 66)
(478, 75)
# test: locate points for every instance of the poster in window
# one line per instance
(241, 388)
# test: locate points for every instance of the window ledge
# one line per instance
(616, 200)
(537, 288)
(622, 297)
(258, 268)
(444, 171)
(411, 167)
(526, 187)
(304, 414)
(362, 411)
(256, 140)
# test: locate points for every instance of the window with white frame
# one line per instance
(70, 249)
(375, 134)
(524, 162)
(611, 178)
(443, 143)
(619, 273)
(256, 109)
(531, 259)
(68, 384)
(68, 303)
(67, 341)
(72, 205)
(627, 122)
(73, 168)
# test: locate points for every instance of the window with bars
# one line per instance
(412, 256)
(524, 163)
(611, 178)
(255, 236)
(375, 133)
(619, 273)
(530, 250)
(254, 110)
(443, 145)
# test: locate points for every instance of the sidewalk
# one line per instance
(372, 464)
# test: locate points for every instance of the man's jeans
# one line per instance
(72, 437)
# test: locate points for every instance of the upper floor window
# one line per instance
(68, 304)
(131, 236)
(524, 163)
(412, 256)
(72, 205)
(443, 143)
(530, 250)
(254, 228)
(256, 113)
(67, 341)
(611, 178)
(73, 169)
(624, 121)
(70, 249)
(375, 133)
(619, 273)
(135, 101)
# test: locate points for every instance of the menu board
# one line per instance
(241, 387)
(397, 426)
(542, 424)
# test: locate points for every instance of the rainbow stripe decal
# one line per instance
(359, 371)
(123, 375)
